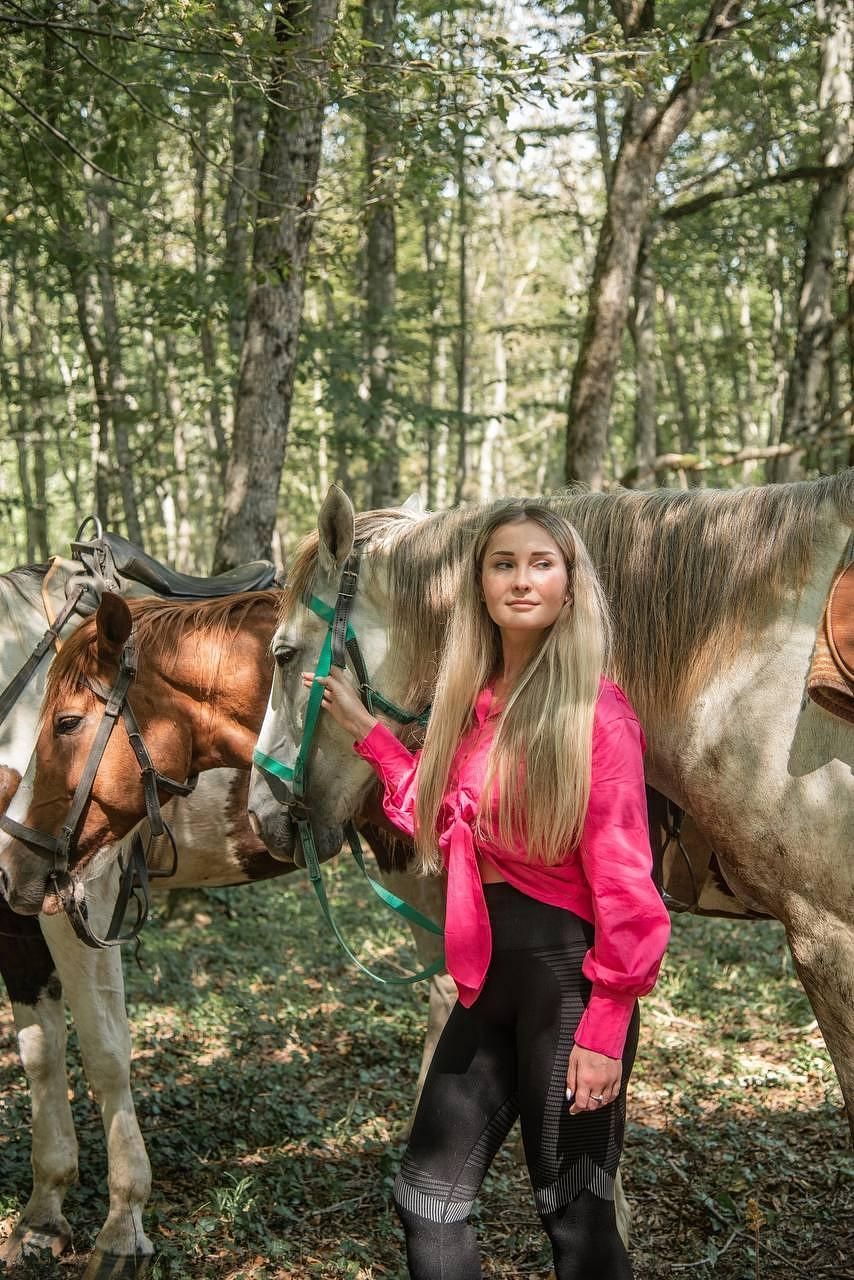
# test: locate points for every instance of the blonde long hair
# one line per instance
(547, 724)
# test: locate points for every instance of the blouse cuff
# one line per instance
(382, 750)
(605, 1022)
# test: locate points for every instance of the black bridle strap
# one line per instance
(133, 885)
(22, 678)
(347, 585)
(152, 779)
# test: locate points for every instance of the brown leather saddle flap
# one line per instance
(839, 622)
(830, 682)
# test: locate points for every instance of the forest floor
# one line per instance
(273, 1082)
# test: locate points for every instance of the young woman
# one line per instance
(529, 792)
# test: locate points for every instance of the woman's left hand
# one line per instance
(592, 1079)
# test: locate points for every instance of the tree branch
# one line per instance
(60, 136)
(691, 462)
(691, 85)
(801, 173)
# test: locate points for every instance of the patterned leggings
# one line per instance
(505, 1057)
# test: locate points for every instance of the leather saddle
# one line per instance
(839, 622)
(830, 682)
(109, 558)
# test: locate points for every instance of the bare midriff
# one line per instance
(488, 873)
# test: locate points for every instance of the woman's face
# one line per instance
(523, 577)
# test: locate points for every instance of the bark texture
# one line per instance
(649, 130)
(378, 27)
(802, 408)
(240, 206)
(646, 388)
(286, 194)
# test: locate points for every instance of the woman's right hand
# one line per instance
(342, 702)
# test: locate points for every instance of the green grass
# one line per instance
(273, 1082)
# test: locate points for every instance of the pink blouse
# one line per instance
(606, 880)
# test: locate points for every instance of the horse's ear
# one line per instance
(113, 624)
(415, 504)
(336, 524)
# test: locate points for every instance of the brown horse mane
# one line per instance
(159, 627)
(688, 573)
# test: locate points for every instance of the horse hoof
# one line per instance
(27, 1240)
(115, 1266)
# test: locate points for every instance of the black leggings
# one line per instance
(505, 1057)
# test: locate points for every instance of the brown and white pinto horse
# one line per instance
(204, 672)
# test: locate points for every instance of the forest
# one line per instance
(459, 250)
(455, 250)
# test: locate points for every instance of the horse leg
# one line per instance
(27, 969)
(94, 987)
(427, 895)
(822, 948)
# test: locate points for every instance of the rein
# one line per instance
(57, 849)
(340, 643)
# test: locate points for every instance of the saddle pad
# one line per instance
(830, 682)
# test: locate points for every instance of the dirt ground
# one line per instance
(273, 1083)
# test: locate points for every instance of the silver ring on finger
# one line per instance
(597, 1097)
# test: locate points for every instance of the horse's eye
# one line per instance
(285, 657)
(65, 725)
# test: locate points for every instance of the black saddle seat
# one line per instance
(132, 562)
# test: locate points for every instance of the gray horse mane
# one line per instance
(688, 574)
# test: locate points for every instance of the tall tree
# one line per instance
(815, 331)
(649, 129)
(286, 199)
(381, 140)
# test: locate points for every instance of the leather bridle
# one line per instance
(58, 848)
(340, 643)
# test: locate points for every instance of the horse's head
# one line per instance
(78, 687)
(335, 778)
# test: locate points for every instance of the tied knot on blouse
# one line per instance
(606, 880)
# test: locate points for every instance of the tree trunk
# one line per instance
(685, 418)
(200, 253)
(430, 371)
(379, 18)
(774, 276)
(19, 395)
(802, 411)
(116, 385)
(100, 432)
(240, 206)
(648, 132)
(646, 386)
(287, 183)
(37, 392)
(461, 354)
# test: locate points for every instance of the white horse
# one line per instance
(42, 963)
(716, 596)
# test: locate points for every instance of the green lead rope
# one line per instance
(391, 900)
